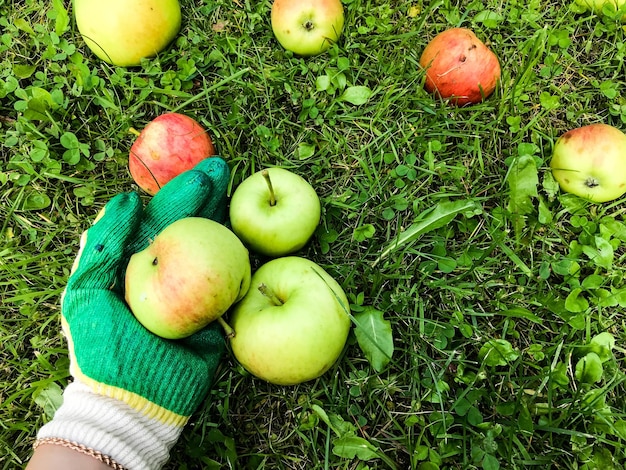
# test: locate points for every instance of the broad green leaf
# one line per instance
(575, 302)
(36, 201)
(23, 25)
(545, 215)
(436, 217)
(491, 19)
(375, 338)
(69, 140)
(40, 101)
(305, 150)
(24, 70)
(356, 95)
(31, 200)
(49, 398)
(602, 254)
(548, 101)
(615, 228)
(593, 281)
(319, 411)
(335, 422)
(490, 462)
(589, 369)
(322, 83)
(609, 88)
(71, 156)
(363, 232)
(62, 20)
(559, 375)
(523, 180)
(602, 344)
(497, 352)
(351, 447)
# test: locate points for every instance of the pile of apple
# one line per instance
(123, 32)
(289, 321)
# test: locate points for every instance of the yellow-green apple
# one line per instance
(169, 145)
(122, 32)
(460, 67)
(191, 274)
(597, 6)
(590, 162)
(292, 324)
(274, 212)
(307, 27)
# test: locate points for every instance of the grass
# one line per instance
(491, 302)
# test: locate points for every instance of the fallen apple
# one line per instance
(169, 145)
(292, 324)
(460, 67)
(122, 32)
(598, 6)
(189, 276)
(590, 162)
(274, 212)
(307, 27)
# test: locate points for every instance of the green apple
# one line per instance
(122, 32)
(190, 275)
(597, 6)
(307, 27)
(292, 324)
(274, 212)
(590, 162)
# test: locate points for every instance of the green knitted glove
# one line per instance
(133, 391)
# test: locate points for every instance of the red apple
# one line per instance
(459, 66)
(169, 145)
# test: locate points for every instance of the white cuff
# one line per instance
(111, 427)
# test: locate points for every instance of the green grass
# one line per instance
(489, 311)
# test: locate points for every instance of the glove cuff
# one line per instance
(111, 427)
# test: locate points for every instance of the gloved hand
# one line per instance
(133, 391)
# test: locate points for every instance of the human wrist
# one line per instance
(112, 428)
(64, 455)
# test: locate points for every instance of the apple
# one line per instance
(169, 145)
(189, 276)
(307, 27)
(590, 162)
(122, 32)
(460, 67)
(597, 6)
(292, 324)
(274, 212)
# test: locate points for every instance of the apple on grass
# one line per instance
(598, 6)
(590, 162)
(169, 145)
(460, 67)
(307, 27)
(274, 212)
(190, 275)
(122, 32)
(292, 324)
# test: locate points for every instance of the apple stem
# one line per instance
(266, 175)
(134, 131)
(270, 294)
(230, 333)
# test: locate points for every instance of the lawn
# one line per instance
(442, 223)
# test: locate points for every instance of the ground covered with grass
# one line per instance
(443, 221)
